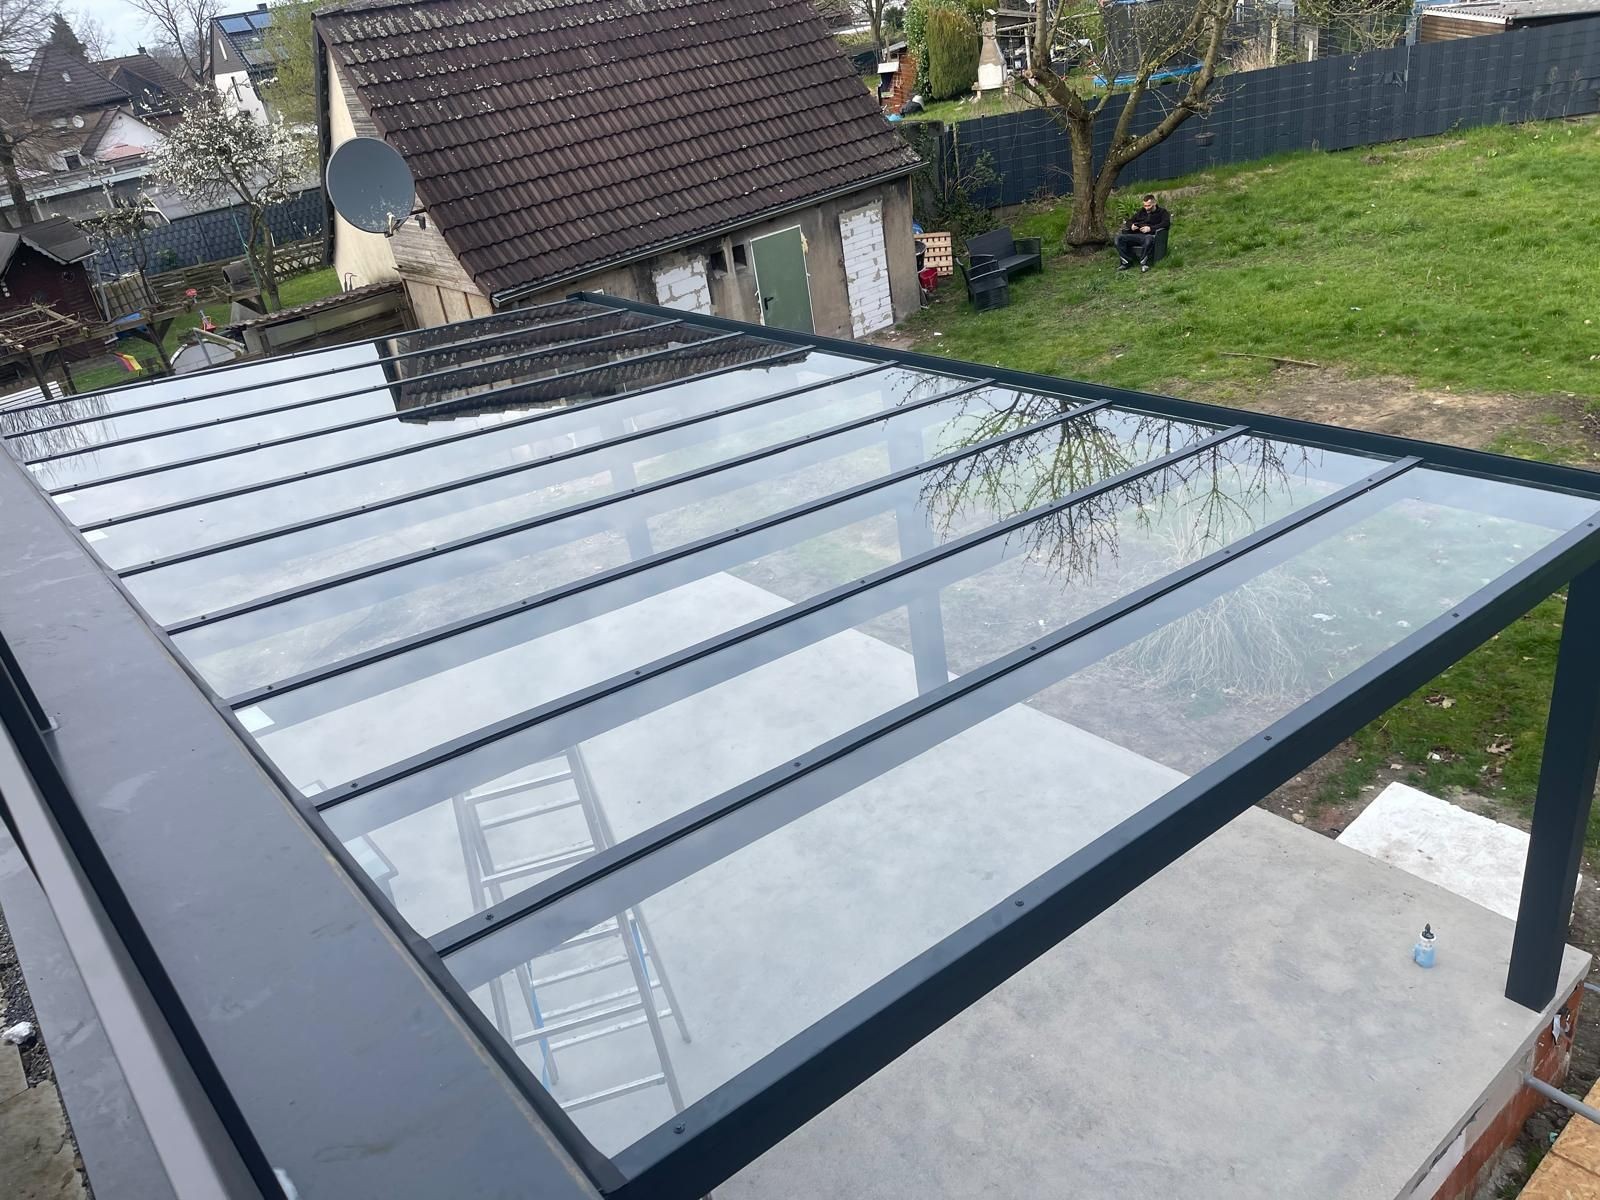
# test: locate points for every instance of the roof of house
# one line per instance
(245, 32)
(95, 133)
(152, 87)
(549, 138)
(62, 82)
(57, 238)
(1504, 12)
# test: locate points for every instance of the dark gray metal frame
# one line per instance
(715, 1136)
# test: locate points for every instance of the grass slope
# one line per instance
(1460, 262)
(1463, 261)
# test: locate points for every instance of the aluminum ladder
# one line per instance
(561, 1014)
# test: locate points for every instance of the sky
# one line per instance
(126, 27)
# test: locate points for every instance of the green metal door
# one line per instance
(781, 284)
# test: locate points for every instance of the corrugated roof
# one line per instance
(57, 238)
(548, 137)
(294, 312)
(1515, 10)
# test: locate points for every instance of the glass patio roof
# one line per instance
(681, 685)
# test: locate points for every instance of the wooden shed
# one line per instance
(1445, 22)
(47, 263)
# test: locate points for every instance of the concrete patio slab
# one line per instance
(1249, 1024)
(1474, 856)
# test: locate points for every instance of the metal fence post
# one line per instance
(1561, 809)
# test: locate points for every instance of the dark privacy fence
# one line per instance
(1330, 104)
(213, 236)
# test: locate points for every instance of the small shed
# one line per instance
(1446, 22)
(716, 156)
(47, 263)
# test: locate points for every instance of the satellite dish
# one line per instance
(370, 184)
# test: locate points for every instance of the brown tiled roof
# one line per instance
(549, 137)
(61, 82)
(154, 88)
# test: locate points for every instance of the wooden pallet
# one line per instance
(939, 253)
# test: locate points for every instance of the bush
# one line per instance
(953, 50)
(916, 27)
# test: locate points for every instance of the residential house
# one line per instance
(239, 62)
(714, 155)
(81, 130)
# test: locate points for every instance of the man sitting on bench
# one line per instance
(1137, 238)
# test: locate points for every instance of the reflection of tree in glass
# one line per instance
(1181, 513)
(40, 441)
(1250, 641)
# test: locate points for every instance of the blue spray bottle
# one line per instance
(1422, 952)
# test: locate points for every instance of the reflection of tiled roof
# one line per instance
(551, 137)
(61, 82)
(549, 380)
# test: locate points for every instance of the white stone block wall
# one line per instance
(681, 283)
(866, 269)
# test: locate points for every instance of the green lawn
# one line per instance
(965, 108)
(1458, 262)
(105, 373)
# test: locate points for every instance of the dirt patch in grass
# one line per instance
(1384, 404)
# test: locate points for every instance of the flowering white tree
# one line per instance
(217, 154)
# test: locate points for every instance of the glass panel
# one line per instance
(524, 482)
(246, 380)
(851, 661)
(94, 464)
(252, 383)
(322, 497)
(324, 626)
(229, 397)
(795, 559)
(926, 829)
(409, 428)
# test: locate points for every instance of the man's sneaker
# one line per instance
(1124, 266)
(1144, 266)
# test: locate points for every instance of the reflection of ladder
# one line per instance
(578, 992)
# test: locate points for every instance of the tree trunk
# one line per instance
(19, 195)
(1088, 224)
(261, 258)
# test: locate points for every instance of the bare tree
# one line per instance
(91, 33)
(183, 26)
(1175, 29)
(217, 154)
(872, 13)
(24, 25)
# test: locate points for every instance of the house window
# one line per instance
(72, 161)
(717, 263)
(739, 255)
